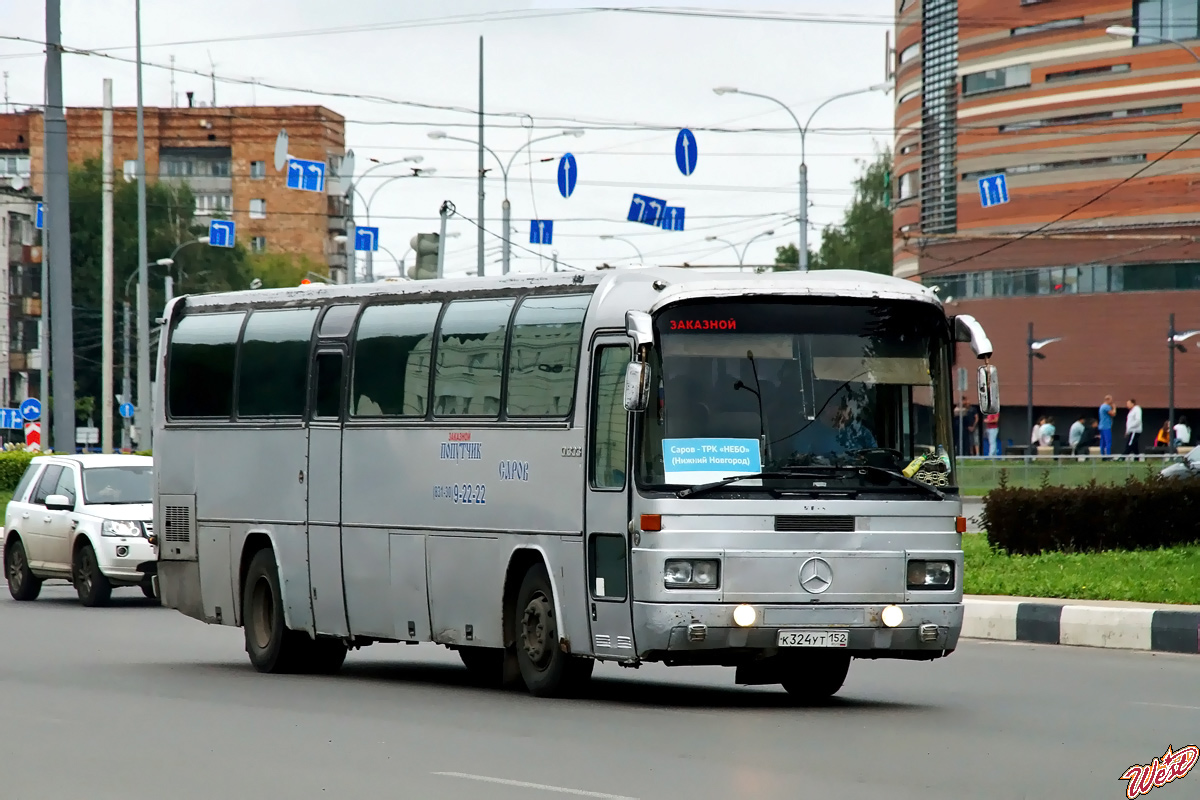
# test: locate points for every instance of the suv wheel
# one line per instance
(22, 583)
(91, 585)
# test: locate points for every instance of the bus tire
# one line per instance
(22, 583)
(325, 656)
(271, 646)
(817, 677)
(545, 668)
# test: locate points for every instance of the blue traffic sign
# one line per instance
(647, 210)
(685, 151)
(541, 231)
(366, 239)
(41, 217)
(31, 408)
(11, 418)
(993, 190)
(127, 410)
(221, 232)
(308, 176)
(568, 174)
(672, 218)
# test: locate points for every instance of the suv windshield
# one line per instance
(750, 386)
(118, 485)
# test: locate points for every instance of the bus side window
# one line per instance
(328, 401)
(391, 360)
(200, 365)
(470, 358)
(610, 421)
(273, 368)
(544, 355)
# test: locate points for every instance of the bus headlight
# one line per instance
(744, 615)
(680, 573)
(930, 575)
(892, 616)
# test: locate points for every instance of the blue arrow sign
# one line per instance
(541, 231)
(993, 191)
(672, 218)
(366, 239)
(647, 210)
(11, 418)
(221, 232)
(568, 174)
(308, 176)
(126, 410)
(685, 151)
(41, 217)
(31, 409)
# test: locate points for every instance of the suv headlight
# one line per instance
(930, 574)
(119, 528)
(690, 573)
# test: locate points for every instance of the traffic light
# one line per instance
(425, 246)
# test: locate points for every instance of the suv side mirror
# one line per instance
(637, 386)
(988, 383)
(59, 502)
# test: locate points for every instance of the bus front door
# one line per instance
(606, 510)
(325, 492)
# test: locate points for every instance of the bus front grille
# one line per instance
(814, 524)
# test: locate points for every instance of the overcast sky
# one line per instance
(630, 80)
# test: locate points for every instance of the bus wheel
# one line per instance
(325, 656)
(817, 677)
(270, 645)
(545, 668)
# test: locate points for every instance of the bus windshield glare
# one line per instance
(747, 386)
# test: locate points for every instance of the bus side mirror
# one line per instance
(637, 386)
(968, 329)
(639, 328)
(988, 383)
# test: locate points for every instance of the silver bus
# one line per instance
(541, 472)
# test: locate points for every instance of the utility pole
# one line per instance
(1171, 377)
(145, 416)
(479, 262)
(126, 383)
(441, 254)
(58, 223)
(106, 280)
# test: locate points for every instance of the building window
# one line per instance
(258, 208)
(939, 117)
(130, 170)
(1166, 19)
(1098, 116)
(1086, 72)
(1047, 26)
(995, 79)
(14, 166)
(904, 98)
(258, 244)
(209, 204)
(910, 52)
(1087, 279)
(910, 184)
(1023, 169)
(258, 170)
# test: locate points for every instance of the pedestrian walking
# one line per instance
(1107, 412)
(1133, 428)
(992, 425)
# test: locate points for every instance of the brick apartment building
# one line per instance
(1096, 138)
(225, 154)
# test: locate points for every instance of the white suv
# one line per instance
(86, 519)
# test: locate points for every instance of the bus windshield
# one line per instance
(752, 386)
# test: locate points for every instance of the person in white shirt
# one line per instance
(1133, 428)
(1183, 433)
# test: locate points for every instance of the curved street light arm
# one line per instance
(784, 106)
(641, 258)
(1183, 336)
(751, 241)
(1126, 32)
(472, 141)
(728, 244)
(383, 183)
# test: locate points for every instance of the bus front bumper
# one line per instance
(666, 631)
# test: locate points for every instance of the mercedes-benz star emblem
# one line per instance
(816, 575)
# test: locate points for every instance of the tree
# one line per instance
(169, 222)
(277, 270)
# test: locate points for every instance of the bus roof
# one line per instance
(647, 288)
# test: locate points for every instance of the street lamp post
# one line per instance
(1033, 348)
(608, 236)
(1175, 340)
(417, 172)
(803, 253)
(1127, 32)
(506, 206)
(350, 190)
(741, 257)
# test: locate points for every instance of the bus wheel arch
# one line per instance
(519, 562)
(255, 541)
(542, 654)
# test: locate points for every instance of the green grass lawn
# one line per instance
(1169, 575)
(5, 496)
(980, 477)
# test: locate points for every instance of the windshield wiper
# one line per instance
(704, 487)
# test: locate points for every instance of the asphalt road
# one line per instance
(136, 701)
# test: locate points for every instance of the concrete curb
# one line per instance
(1169, 629)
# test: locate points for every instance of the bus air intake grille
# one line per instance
(814, 524)
(176, 524)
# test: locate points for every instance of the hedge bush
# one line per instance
(12, 467)
(1137, 515)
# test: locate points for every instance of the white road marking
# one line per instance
(526, 785)
(1170, 705)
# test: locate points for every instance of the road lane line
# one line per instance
(1169, 705)
(526, 785)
